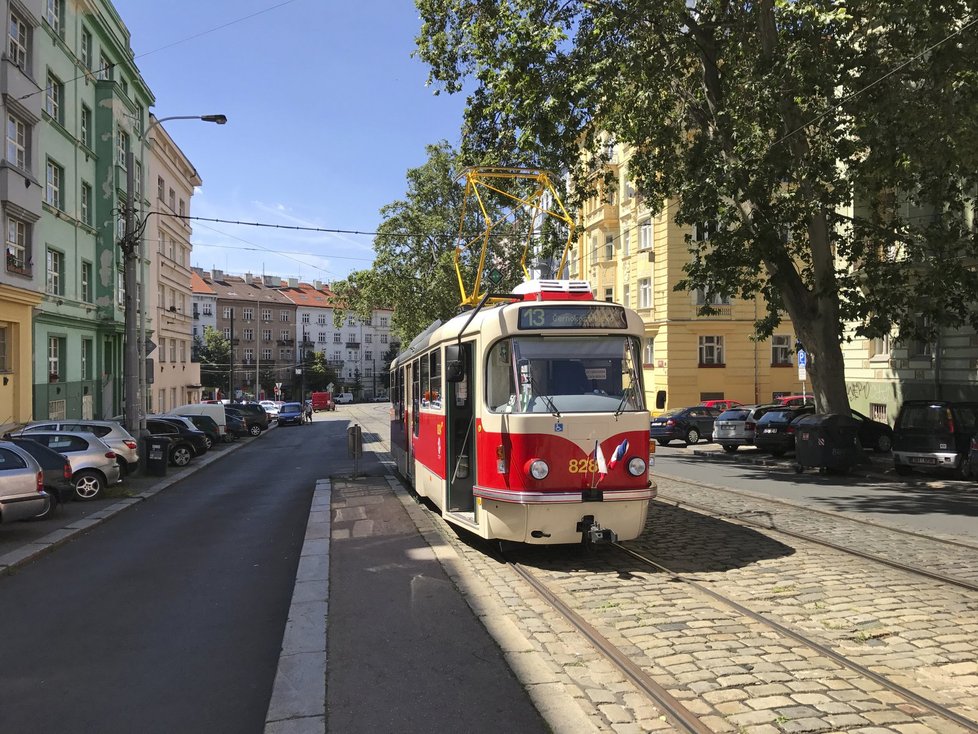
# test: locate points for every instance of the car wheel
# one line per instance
(181, 455)
(692, 436)
(208, 443)
(663, 441)
(88, 484)
(254, 430)
(884, 443)
(902, 470)
(729, 449)
(52, 505)
(964, 469)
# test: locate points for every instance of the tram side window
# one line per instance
(434, 380)
(425, 391)
(501, 381)
(415, 393)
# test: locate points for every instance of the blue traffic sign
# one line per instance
(802, 358)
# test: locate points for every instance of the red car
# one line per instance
(721, 404)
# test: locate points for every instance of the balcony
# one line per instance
(286, 342)
(336, 363)
(353, 345)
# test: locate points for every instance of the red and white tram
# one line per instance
(525, 421)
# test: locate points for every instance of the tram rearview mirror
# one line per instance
(454, 364)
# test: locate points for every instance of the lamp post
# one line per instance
(134, 366)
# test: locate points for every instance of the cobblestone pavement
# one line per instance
(952, 558)
(735, 673)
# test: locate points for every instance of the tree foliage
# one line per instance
(213, 352)
(414, 272)
(833, 145)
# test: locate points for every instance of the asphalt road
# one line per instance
(168, 618)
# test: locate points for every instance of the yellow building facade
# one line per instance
(633, 253)
(16, 354)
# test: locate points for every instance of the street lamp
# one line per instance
(134, 365)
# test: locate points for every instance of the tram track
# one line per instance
(669, 704)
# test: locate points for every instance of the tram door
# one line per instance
(460, 414)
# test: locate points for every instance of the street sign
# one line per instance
(802, 365)
(149, 346)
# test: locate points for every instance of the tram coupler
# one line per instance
(592, 533)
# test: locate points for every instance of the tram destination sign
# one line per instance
(573, 317)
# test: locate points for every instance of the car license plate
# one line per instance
(923, 460)
(770, 430)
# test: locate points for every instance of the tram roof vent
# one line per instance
(554, 290)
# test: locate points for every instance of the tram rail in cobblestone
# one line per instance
(770, 527)
(828, 652)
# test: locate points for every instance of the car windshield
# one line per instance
(291, 408)
(547, 374)
(733, 415)
(778, 416)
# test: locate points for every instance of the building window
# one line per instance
(266, 354)
(266, 335)
(18, 244)
(266, 314)
(248, 314)
(368, 355)
(305, 318)
(86, 203)
(626, 295)
(321, 319)
(53, 194)
(18, 41)
(88, 350)
(383, 321)
(645, 234)
(877, 411)
(648, 353)
(54, 95)
(249, 354)
(55, 353)
(86, 127)
(86, 282)
(54, 14)
(349, 321)
(120, 288)
(226, 313)
(207, 309)
(137, 179)
(17, 142)
(249, 335)
(645, 293)
(702, 231)
(705, 297)
(781, 350)
(173, 350)
(337, 339)
(383, 338)
(322, 337)
(711, 350)
(609, 247)
(183, 208)
(283, 315)
(879, 348)
(121, 146)
(86, 49)
(283, 335)
(227, 333)
(56, 265)
(104, 68)
(609, 295)
(173, 200)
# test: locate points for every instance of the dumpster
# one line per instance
(829, 442)
(156, 449)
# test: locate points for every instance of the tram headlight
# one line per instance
(637, 467)
(538, 469)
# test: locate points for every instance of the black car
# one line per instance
(185, 444)
(56, 469)
(873, 434)
(774, 432)
(237, 425)
(256, 415)
(684, 424)
(935, 435)
(206, 425)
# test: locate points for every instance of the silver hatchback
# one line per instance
(735, 427)
(112, 433)
(21, 484)
(93, 463)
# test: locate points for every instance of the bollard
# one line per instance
(354, 447)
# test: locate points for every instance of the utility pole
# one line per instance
(130, 367)
(231, 359)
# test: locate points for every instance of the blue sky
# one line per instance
(326, 108)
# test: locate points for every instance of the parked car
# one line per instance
(774, 432)
(200, 440)
(56, 469)
(214, 411)
(256, 414)
(795, 400)
(873, 434)
(110, 431)
(721, 404)
(22, 494)
(205, 424)
(734, 427)
(93, 462)
(270, 406)
(934, 434)
(182, 440)
(343, 397)
(293, 413)
(684, 424)
(237, 425)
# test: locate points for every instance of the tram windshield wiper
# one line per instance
(626, 394)
(543, 396)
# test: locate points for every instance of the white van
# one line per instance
(212, 410)
(343, 397)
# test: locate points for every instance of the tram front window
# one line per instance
(547, 374)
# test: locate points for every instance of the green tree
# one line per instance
(414, 272)
(213, 352)
(318, 373)
(828, 148)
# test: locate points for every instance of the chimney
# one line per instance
(293, 282)
(247, 278)
(217, 275)
(269, 281)
(317, 284)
